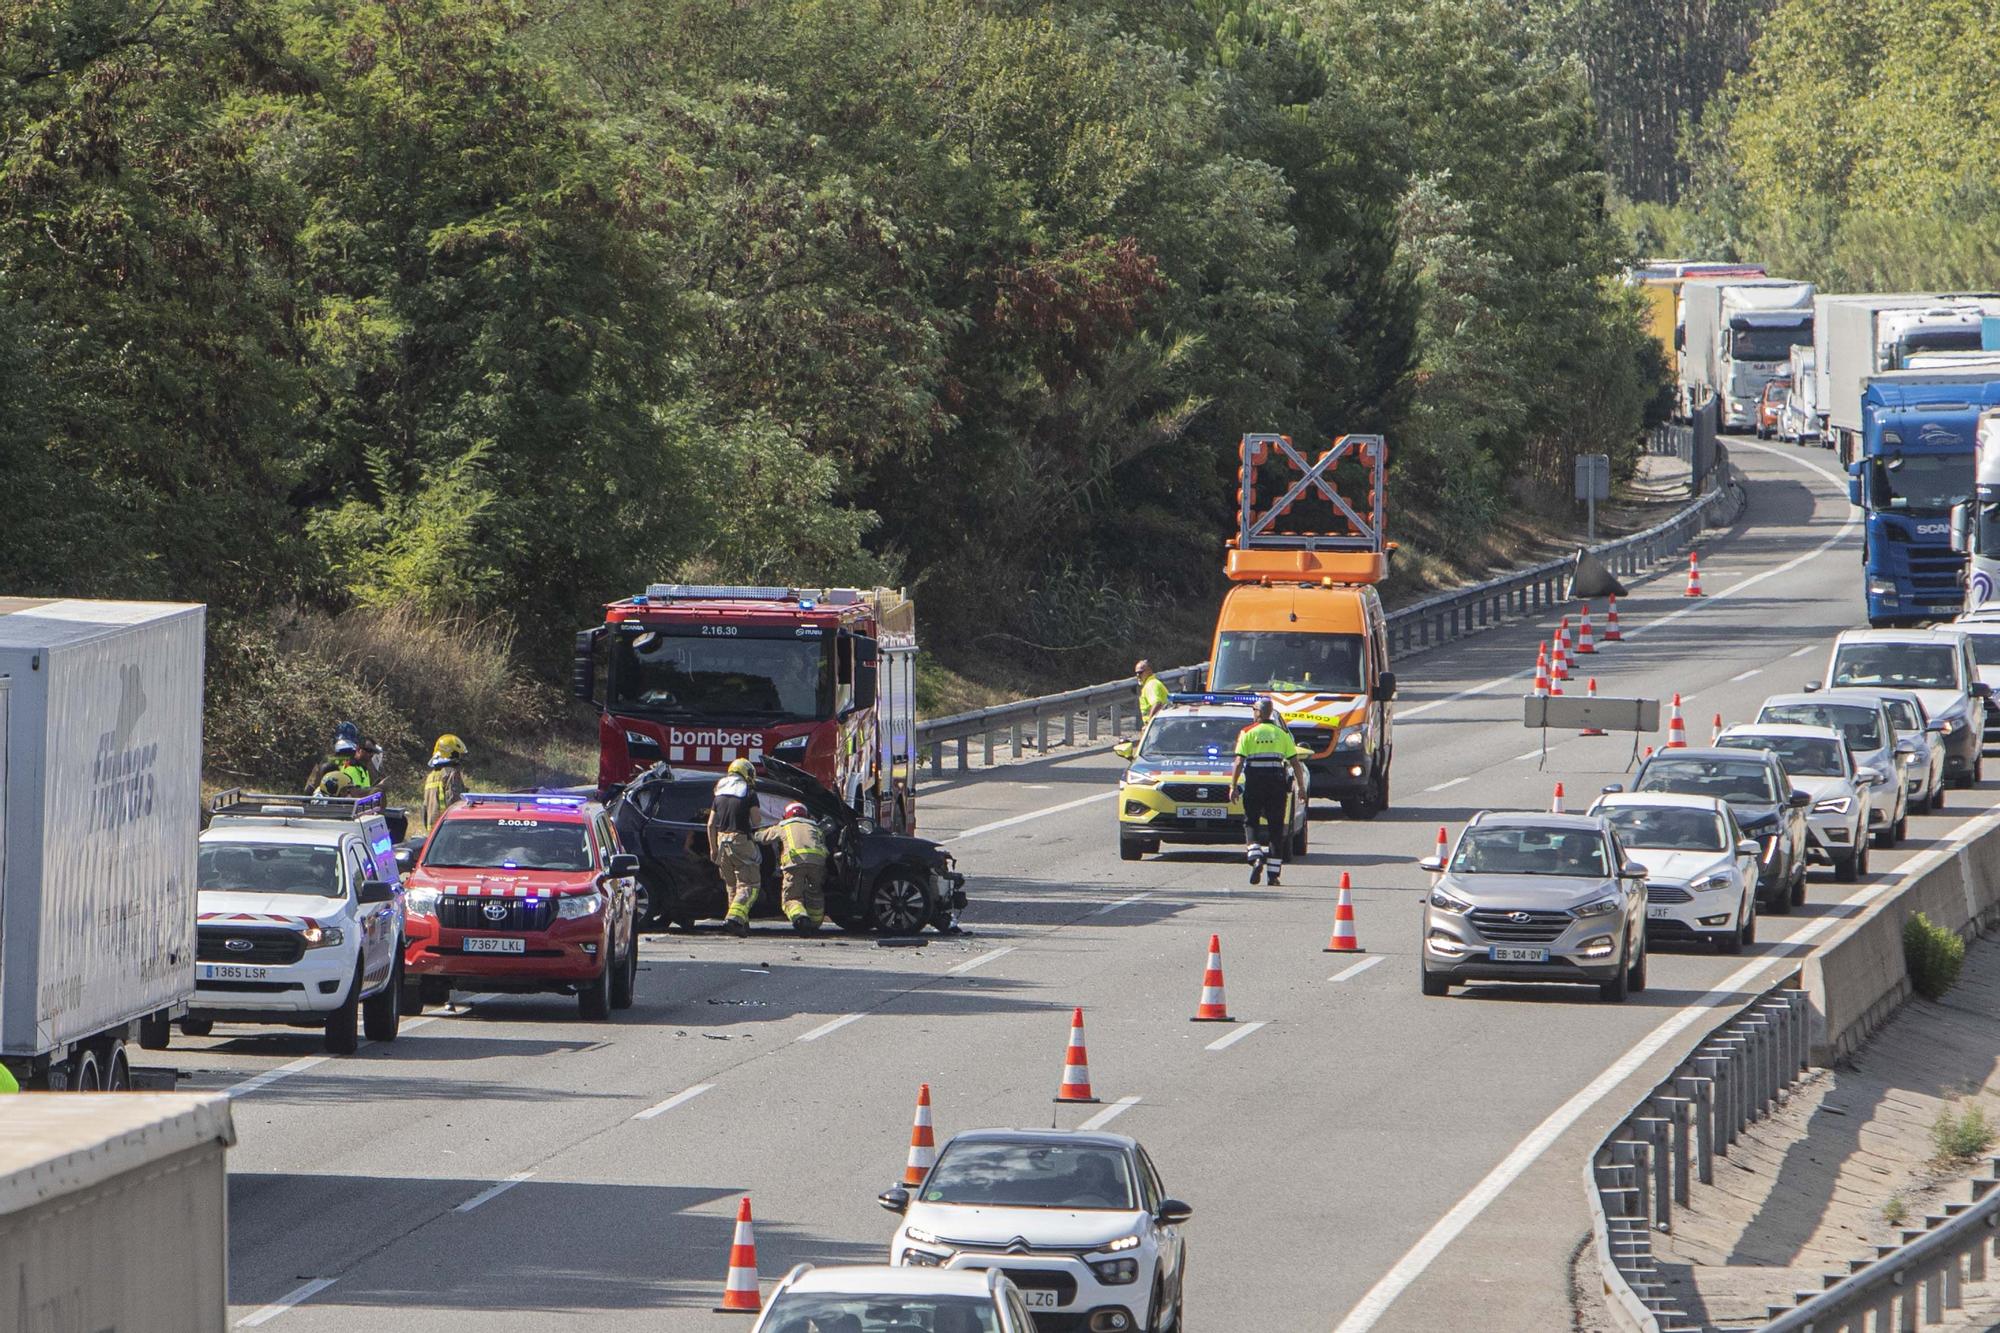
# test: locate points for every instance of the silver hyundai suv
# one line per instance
(1535, 897)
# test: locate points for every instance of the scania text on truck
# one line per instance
(1303, 623)
(1916, 466)
(1737, 334)
(823, 678)
(100, 791)
(1857, 337)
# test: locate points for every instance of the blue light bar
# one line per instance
(1213, 698)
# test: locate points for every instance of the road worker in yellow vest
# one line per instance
(1266, 759)
(802, 865)
(444, 778)
(1152, 691)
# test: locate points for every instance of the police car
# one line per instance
(300, 917)
(1176, 785)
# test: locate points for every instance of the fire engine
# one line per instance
(694, 676)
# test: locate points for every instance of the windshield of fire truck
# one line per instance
(731, 672)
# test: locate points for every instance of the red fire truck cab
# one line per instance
(824, 678)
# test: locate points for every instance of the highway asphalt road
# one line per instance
(1361, 1157)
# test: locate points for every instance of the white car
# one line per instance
(1078, 1221)
(299, 918)
(868, 1298)
(1938, 664)
(1862, 720)
(1819, 763)
(1923, 773)
(1981, 628)
(1701, 871)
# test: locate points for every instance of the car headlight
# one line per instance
(1713, 882)
(921, 1237)
(421, 902)
(1142, 779)
(576, 905)
(1449, 902)
(321, 937)
(1352, 736)
(1115, 1272)
(1604, 906)
(1881, 588)
(922, 1259)
(1833, 805)
(1123, 1243)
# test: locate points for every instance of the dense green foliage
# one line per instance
(1933, 954)
(479, 307)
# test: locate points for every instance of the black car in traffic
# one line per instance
(1766, 805)
(880, 881)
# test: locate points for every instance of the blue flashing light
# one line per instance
(509, 865)
(807, 604)
(569, 801)
(1213, 698)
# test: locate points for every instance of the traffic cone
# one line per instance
(1715, 735)
(1677, 732)
(1076, 1065)
(1694, 575)
(1591, 693)
(1344, 940)
(1567, 635)
(1213, 1007)
(1444, 844)
(1611, 634)
(1556, 806)
(739, 1289)
(923, 1143)
(1541, 670)
(1585, 643)
(1559, 660)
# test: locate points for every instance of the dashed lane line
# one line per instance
(492, 1192)
(1224, 1043)
(828, 1028)
(1348, 973)
(981, 961)
(1745, 675)
(1443, 786)
(998, 824)
(678, 1099)
(304, 1292)
(1122, 902)
(1109, 1113)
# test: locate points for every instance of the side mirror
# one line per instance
(1748, 847)
(1812, 686)
(1125, 750)
(1612, 788)
(1961, 527)
(375, 891)
(1798, 800)
(867, 672)
(406, 857)
(583, 666)
(1434, 864)
(1870, 777)
(1934, 728)
(1633, 870)
(1385, 687)
(1854, 490)
(1981, 690)
(896, 1200)
(621, 865)
(1906, 747)
(1172, 1212)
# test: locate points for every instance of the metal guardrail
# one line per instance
(1436, 620)
(1649, 1164)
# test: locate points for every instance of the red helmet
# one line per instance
(795, 811)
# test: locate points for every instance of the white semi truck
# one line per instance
(1798, 423)
(1738, 335)
(1976, 528)
(100, 809)
(1857, 337)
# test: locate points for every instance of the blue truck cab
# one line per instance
(1916, 463)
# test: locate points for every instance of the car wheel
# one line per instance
(382, 1012)
(1299, 839)
(898, 904)
(1798, 897)
(85, 1073)
(1750, 922)
(1615, 990)
(625, 980)
(343, 1025)
(1435, 983)
(1936, 802)
(1638, 974)
(117, 1069)
(642, 908)
(593, 1002)
(411, 995)
(1861, 862)
(1153, 1324)
(1779, 903)
(1130, 849)
(197, 1027)
(1902, 826)
(1847, 869)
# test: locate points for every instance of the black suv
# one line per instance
(1766, 805)
(878, 881)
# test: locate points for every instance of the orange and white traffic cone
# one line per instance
(1591, 693)
(1344, 939)
(923, 1142)
(1694, 575)
(739, 1289)
(1585, 643)
(1568, 637)
(1541, 670)
(1444, 845)
(1213, 1007)
(1076, 1065)
(1715, 735)
(1556, 806)
(1559, 660)
(1677, 732)
(1611, 634)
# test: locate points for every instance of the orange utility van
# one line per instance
(1304, 624)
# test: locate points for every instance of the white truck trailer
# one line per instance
(1857, 337)
(114, 1213)
(1737, 336)
(100, 811)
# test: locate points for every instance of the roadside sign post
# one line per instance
(1593, 483)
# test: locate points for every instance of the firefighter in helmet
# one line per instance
(802, 864)
(731, 822)
(444, 779)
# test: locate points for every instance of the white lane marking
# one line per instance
(1223, 1043)
(1811, 647)
(825, 1029)
(1109, 1113)
(1443, 785)
(1411, 1266)
(1358, 968)
(1532, 754)
(492, 1192)
(998, 824)
(1753, 671)
(304, 1292)
(258, 1082)
(980, 961)
(678, 1099)
(1122, 902)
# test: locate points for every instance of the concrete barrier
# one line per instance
(1857, 977)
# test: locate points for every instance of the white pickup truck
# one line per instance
(300, 919)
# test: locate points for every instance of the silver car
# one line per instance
(1923, 774)
(1818, 762)
(1534, 897)
(1701, 872)
(1871, 737)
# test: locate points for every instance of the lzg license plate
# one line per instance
(230, 972)
(489, 944)
(1040, 1300)
(1503, 953)
(1201, 811)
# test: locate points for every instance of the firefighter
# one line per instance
(1152, 691)
(802, 863)
(1266, 758)
(444, 780)
(731, 826)
(358, 758)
